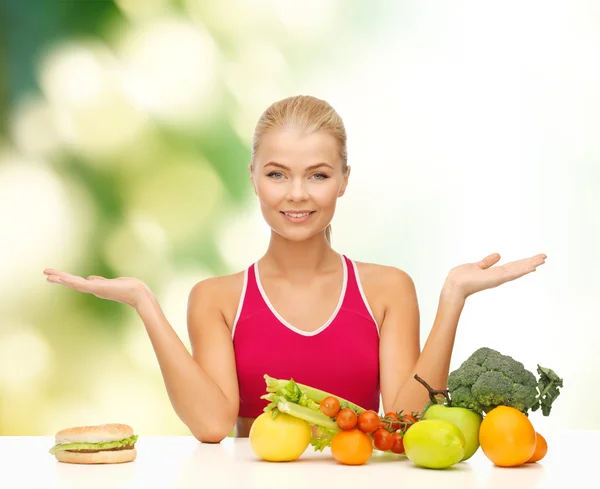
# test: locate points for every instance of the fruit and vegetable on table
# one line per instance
(487, 405)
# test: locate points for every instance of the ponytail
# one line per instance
(328, 233)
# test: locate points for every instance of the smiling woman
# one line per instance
(301, 299)
(294, 132)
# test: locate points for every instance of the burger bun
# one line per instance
(102, 433)
(102, 457)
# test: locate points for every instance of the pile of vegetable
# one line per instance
(487, 403)
(338, 423)
(504, 393)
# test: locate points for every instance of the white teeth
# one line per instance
(304, 214)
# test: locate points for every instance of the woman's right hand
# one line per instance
(123, 289)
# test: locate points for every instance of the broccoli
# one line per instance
(488, 379)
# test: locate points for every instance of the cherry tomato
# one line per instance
(383, 439)
(368, 421)
(408, 418)
(390, 422)
(398, 446)
(330, 406)
(346, 419)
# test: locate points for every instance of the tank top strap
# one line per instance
(355, 299)
(251, 301)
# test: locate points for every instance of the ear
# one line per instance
(345, 184)
(251, 172)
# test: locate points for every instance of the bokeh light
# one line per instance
(33, 128)
(22, 375)
(36, 206)
(126, 136)
(182, 196)
(93, 111)
(310, 19)
(243, 237)
(140, 11)
(173, 68)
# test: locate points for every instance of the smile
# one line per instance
(298, 214)
(298, 217)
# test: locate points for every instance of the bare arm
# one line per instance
(399, 350)
(400, 345)
(202, 387)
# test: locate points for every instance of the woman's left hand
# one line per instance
(470, 278)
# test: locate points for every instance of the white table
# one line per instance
(182, 462)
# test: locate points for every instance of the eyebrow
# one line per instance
(312, 167)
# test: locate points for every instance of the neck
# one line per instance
(298, 258)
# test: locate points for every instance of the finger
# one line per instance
(522, 267)
(50, 271)
(96, 277)
(57, 274)
(533, 261)
(72, 281)
(538, 260)
(489, 260)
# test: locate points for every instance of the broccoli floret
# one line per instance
(523, 396)
(466, 376)
(462, 397)
(488, 379)
(492, 389)
(511, 368)
(481, 355)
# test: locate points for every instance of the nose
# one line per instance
(297, 191)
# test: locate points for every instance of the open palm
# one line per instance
(474, 277)
(123, 289)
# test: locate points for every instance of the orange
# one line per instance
(351, 447)
(507, 437)
(541, 449)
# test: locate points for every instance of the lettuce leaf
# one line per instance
(94, 446)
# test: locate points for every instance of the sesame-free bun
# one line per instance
(103, 457)
(94, 434)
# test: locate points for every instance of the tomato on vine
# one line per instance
(398, 445)
(368, 421)
(383, 439)
(346, 419)
(408, 418)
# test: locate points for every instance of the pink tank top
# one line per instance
(341, 357)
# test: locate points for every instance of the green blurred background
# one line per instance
(125, 132)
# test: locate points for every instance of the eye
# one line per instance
(320, 176)
(275, 174)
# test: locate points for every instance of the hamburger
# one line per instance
(100, 444)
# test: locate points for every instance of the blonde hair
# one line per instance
(309, 114)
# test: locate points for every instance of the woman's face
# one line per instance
(298, 179)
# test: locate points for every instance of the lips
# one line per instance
(297, 216)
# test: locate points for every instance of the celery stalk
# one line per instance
(315, 418)
(316, 395)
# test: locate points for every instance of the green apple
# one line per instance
(434, 444)
(466, 420)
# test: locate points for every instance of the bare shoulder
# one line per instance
(373, 275)
(220, 293)
(385, 287)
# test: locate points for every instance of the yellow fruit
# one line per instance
(507, 437)
(282, 439)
